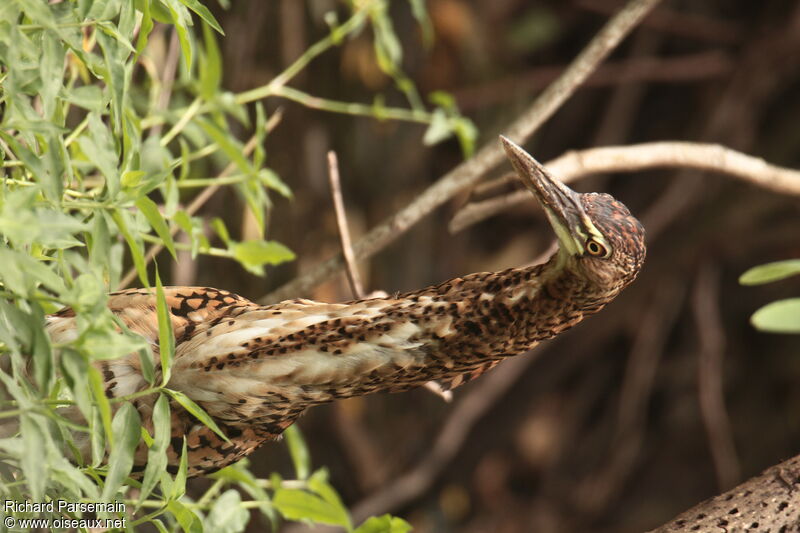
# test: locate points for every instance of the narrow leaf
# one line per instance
(166, 336)
(133, 246)
(120, 461)
(150, 211)
(770, 272)
(157, 454)
(196, 411)
(296, 504)
(298, 451)
(99, 394)
(782, 316)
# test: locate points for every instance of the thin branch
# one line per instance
(700, 156)
(705, 306)
(202, 198)
(767, 502)
(468, 172)
(353, 277)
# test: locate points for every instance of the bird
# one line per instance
(256, 368)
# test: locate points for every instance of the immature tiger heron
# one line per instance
(255, 369)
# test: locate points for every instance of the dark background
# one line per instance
(603, 428)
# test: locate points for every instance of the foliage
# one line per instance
(782, 316)
(101, 152)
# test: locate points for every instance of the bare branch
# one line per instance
(353, 277)
(767, 502)
(577, 164)
(468, 172)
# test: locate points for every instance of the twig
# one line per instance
(767, 502)
(705, 306)
(353, 276)
(468, 172)
(202, 198)
(701, 156)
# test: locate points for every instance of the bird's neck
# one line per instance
(508, 312)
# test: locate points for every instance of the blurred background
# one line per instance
(665, 398)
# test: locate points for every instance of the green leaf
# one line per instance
(131, 179)
(21, 274)
(770, 272)
(146, 25)
(298, 451)
(219, 226)
(210, 65)
(439, 129)
(101, 400)
(782, 316)
(318, 483)
(99, 148)
(115, 76)
(150, 211)
(253, 255)
(120, 461)
(25, 223)
(230, 146)
(203, 12)
(467, 133)
(33, 459)
(166, 336)
(421, 14)
(182, 20)
(52, 185)
(89, 97)
(185, 517)
(178, 488)
(270, 179)
(51, 70)
(137, 254)
(197, 412)
(227, 514)
(296, 504)
(384, 524)
(157, 454)
(112, 31)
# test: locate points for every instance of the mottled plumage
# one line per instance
(255, 369)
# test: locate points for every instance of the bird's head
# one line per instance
(598, 237)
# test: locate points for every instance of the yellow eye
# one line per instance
(595, 248)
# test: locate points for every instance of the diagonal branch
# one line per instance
(468, 172)
(709, 157)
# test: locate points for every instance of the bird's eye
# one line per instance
(595, 248)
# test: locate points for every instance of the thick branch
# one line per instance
(490, 155)
(767, 502)
(576, 164)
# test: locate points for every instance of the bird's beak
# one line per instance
(561, 204)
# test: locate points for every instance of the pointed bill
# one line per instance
(561, 204)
